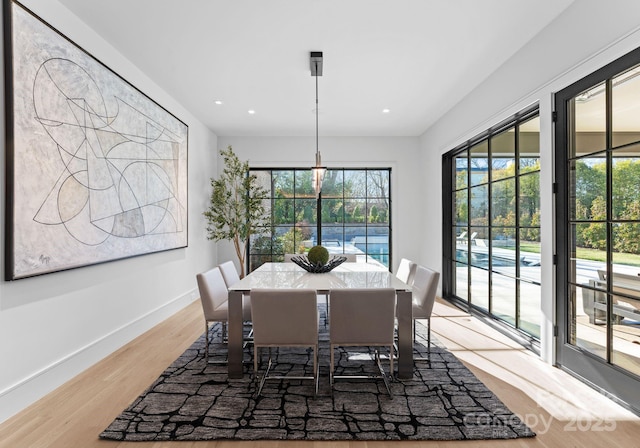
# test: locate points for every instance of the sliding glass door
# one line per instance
(492, 233)
(598, 228)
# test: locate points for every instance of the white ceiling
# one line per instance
(417, 58)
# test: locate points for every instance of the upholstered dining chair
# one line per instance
(373, 327)
(406, 271)
(231, 277)
(425, 285)
(229, 273)
(284, 318)
(214, 299)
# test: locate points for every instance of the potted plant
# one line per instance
(236, 209)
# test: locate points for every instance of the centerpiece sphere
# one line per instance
(318, 255)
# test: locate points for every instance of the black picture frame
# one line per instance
(96, 171)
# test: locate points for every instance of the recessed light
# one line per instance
(386, 111)
(218, 102)
(251, 111)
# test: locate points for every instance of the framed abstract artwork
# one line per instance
(96, 171)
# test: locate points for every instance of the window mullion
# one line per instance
(489, 228)
(609, 212)
(517, 222)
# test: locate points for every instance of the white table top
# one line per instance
(346, 275)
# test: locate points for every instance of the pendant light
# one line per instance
(318, 170)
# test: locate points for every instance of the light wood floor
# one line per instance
(563, 411)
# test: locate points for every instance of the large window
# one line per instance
(352, 214)
(492, 251)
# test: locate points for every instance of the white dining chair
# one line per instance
(373, 326)
(406, 271)
(214, 299)
(231, 277)
(229, 273)
(284, 318)
(424, 288)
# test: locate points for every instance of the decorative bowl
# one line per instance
(305, 264)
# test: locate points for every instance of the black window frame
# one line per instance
(616, 382)
(254, 259)
(449, 261)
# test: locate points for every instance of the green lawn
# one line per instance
(584, 253)
(600, 255)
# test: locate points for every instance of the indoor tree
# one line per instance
(236, 208)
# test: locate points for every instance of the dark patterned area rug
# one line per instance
(195, 401)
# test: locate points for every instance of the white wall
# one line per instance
(586, 36)
(54, 326)
(399, 153)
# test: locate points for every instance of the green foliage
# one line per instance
(292, 240)
(533, 233)
(373, 214)
(595, 234)
(235, 208)
(625, 186)
(262, 246)
(529, 164)
(265, 244)
(461, 179)
(627, 234)
(318, 255)
(529, 195)
(590, 191)
(356, 214)
(462, 208)
(332, 210)
(590, 182)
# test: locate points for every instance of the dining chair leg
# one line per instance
(248, 339)
(316, 370)
(428, 358)
(266, 374)
(391, 371)
(382, 374)
(429, 335)
(326, 307)
(256, 355)
(206, 338)
(331, 366)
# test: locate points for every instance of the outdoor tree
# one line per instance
(591, 207)
(627, 234)
(625, 185)
(373, 214)
(590, 182)
(595, 234)
(236, 207)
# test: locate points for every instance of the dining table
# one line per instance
(346, 275)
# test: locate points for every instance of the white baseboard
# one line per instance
(30, 389)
